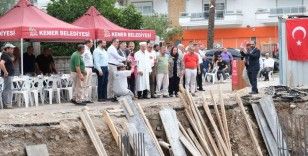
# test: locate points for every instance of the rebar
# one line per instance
(132, 145)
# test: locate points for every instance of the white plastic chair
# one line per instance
(36, 89)
(51, 87)
(212, 75)
(66, 84)
(1, 90)
(21, 86)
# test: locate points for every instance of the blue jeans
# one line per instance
(102, 82)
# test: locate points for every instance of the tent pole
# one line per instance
(94, 43)
(22, 56)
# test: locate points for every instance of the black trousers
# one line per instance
(102, 82)
(143, 94)
(265, 72)
(252, 75)
(199, 79)
(223, 73)
(132, 83)
(174, 83)
(152, 82)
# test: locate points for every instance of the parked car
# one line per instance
(234, 52)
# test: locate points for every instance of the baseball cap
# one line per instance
(8, 45)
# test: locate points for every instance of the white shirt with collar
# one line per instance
(87, 57)
(100, 57)
(202, 53)
(152, 56)
(113, 56)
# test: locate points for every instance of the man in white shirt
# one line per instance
(268, 65)
(120, 87)
(181, 49)
(113, 60)
(144, 68)
(100, 57)
(152, 54)
(88, 61)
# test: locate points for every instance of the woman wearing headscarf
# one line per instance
(175, 71)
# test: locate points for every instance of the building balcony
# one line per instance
(200, 19)
(270, 16)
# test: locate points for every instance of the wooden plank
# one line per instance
(202, 139)
(218, 116)
(209, 136)
(249, 127)
(185, 133)
(187, 98)
(196, 142)
(171, 127)
(194, 111)
(221, 127)
(86, 120)
(127, 107)
(265, 131)
(193, 124)
(37, 150)
(224, 119)
(113, 129)
(217, 133)
(189, 146)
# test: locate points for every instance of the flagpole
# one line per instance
(22, 56)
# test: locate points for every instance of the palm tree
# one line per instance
(211, 25)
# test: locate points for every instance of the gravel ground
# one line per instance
(57, 112)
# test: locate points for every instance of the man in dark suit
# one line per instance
(252, 56)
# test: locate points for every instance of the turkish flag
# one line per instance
(297, 39)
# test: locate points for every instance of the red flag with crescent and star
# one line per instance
(297, 39)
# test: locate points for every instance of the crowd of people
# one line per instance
(153, 71)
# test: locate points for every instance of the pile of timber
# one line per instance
(201, 139)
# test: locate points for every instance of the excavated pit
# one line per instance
(68, 136)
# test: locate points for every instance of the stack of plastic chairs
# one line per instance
(36, 89)
(66, 85)
(52, 84)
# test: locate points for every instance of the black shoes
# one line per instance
(253, 93)
(8, 107)
(78, 103)
(88, 101)
(101, 100)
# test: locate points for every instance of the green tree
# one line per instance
(162, 26)
(70, 10)
(6, 5)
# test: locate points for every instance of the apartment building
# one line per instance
(236, 20)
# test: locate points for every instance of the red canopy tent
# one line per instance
(106, 30)
(25, 21)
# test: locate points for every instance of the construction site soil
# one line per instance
(60, 128)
